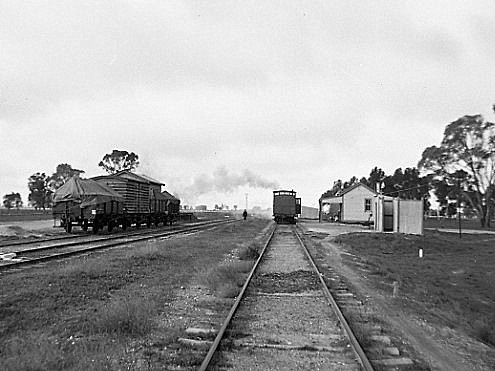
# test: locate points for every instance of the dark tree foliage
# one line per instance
(118, 161)
(62, 174)
(376, 177)
(407, 184)
(336, 188)
(12, 200)
(40, 194)
(351, 182)
(468, 145)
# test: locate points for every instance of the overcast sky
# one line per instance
(225, 98)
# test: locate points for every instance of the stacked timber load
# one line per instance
(134, 188)
(158, 203)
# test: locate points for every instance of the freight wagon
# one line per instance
(286, 206)
(137, 199)
(85, 203)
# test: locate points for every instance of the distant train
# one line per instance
(286, 206)
(120, 199)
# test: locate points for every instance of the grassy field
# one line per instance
(453, 284)
(14, 215)
(109, 310)
(454, 224)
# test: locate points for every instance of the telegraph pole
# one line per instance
(459, 205)
(246, 201)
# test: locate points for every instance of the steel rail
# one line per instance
(218, 338)
(8, 243)
(358, 350)
(124, 240)
(93, 239)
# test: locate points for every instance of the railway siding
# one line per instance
(285, 321)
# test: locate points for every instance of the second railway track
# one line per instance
(77, 246)
(287, 319)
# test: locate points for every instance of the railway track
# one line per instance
(53, 249)
(285, 317)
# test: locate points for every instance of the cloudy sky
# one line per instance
(223, 98)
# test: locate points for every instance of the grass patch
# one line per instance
(227, 279)
(484, 330)
(102, 310)
(452, 284)
(38, 352)
(250, 252)
(124, 316)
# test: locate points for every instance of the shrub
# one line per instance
(124, 316)
(249, 252)
(485, 332)
(226, 279)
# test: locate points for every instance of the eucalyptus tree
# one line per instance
(465, 159)
(119, 160)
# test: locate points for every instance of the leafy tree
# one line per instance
(351, 182)
(118, 161)
(12, 200)
(39, 195)
(62, 173)
(376, 177)
(468, 145)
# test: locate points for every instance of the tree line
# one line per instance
(407, 184)
(460, 172)
(42, 186)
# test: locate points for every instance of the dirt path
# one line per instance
(429, 342)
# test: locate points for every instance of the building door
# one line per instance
(388, 216)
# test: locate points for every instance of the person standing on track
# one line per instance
(244, 214)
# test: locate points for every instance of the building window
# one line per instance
(367, 204)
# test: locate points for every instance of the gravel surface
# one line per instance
(285, 322)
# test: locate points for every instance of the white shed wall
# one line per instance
(353, 205)
(410, 218)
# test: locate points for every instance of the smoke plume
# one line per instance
(223, 181)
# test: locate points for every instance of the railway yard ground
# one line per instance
(141, 307)
(444, 306)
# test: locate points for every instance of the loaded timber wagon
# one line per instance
(84, 202)
(120, 199)
(143, 203)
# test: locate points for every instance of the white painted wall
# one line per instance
(353, 205)
(410, 217)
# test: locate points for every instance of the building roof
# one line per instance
(150, 179)
(169, 196)
(352, 187)
(132, 176)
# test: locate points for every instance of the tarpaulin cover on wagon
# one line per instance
(85, 191)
